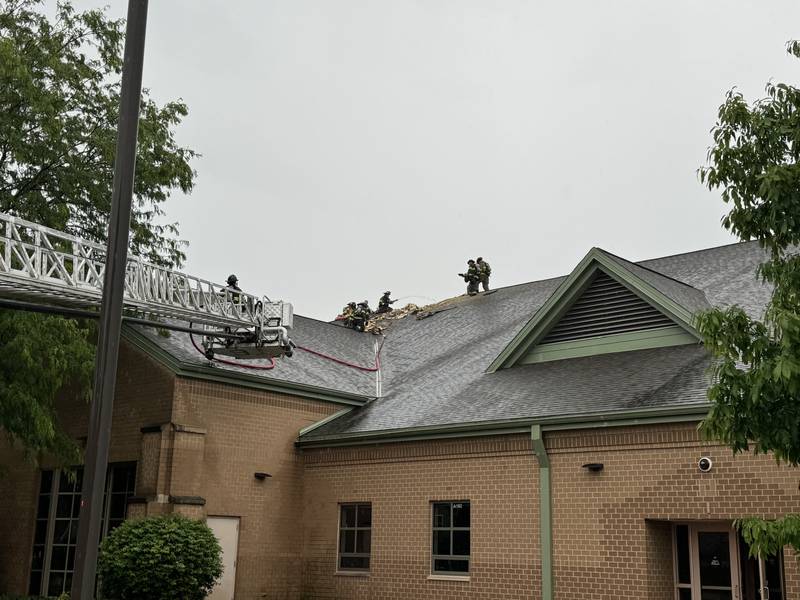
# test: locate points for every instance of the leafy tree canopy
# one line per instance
(59, 100)
(756, 392)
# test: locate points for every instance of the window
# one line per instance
(56, 531)
(355, 536)
(450, 555)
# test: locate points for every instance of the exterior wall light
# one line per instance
(593, 467)
(261, 476)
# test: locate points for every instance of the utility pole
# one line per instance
(105, 372)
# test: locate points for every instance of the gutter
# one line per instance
(645, 416)
(545, 512)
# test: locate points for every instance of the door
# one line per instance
(715, 562)
(227, 531)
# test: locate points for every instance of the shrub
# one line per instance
(159, 558)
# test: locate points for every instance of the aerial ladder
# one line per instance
(46, 270)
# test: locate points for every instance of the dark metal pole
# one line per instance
(105, 375)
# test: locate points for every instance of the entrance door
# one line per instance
(715, 559)
(227, 531)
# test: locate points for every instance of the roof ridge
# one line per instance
(664, 275)
(737, 243)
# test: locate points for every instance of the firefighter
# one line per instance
(484, 271)
(361, 316)
(384, 304)
(233, 282)
(348, 312)
(471, 277)
(232, 291)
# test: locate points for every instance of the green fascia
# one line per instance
(569, 290)
(622, 418)
(606, 344)
(545, 512)
(326, 420)
(212, 374)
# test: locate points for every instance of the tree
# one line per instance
(167, 557)
(59, 98)
(756, 391)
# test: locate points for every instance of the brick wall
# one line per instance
(607, 524)
(612, 530)
(236, 433)
(499, 476)
(143, 396)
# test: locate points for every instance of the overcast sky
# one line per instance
(353, 146)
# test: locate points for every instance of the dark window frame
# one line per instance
(451, 528)
(356, 528)
(40, 571)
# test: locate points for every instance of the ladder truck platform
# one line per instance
(43, 267)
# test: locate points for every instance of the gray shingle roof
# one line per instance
(302, 368)
(434, 369)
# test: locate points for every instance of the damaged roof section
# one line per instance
(435, 370)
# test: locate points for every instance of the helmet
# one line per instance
(480, 259)
(388, 293)
(232, 279)
(470, 262)
(351, 304)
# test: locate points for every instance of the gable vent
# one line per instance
(606, 307)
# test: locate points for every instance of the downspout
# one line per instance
(378, 373)
(545, 512)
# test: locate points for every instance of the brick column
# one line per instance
(170, 472)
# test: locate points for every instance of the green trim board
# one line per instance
(545, 512)
(217, 375)
(571, 289)
(646, 416)
(328, 419)
(606, 344)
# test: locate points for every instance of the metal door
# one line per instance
(227, 531)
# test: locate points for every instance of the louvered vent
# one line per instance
(606, 307)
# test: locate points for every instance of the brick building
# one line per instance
(539, 441)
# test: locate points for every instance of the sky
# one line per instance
(352, 146)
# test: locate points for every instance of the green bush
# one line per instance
(159, 558)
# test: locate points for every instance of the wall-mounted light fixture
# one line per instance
(261, 476)
(593, 467)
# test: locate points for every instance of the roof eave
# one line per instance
(212, 374)
(602, 419)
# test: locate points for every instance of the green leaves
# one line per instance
(42, 356)
(59, 99)
(755, 395)
(159, 558)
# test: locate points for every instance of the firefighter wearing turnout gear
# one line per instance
(384, 304)
(361, 316)
(471, 277)
(348, 312)
(484, 271)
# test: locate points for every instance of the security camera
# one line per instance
(704, 464)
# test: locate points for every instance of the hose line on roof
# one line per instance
(345, 363)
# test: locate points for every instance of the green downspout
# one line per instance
(545, 512)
